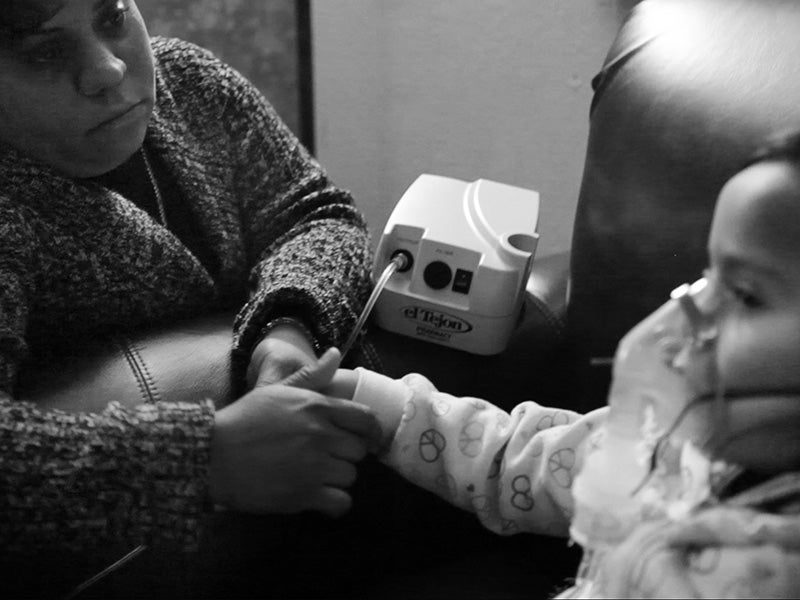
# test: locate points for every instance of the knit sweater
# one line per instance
(78, 260)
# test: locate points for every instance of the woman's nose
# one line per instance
(100, 69)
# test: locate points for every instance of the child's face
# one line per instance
(754, 251)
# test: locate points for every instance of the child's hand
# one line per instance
(337, 384)
(342, 385)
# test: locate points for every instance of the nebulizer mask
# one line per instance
(661, 412)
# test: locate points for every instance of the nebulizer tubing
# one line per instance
(401, 261)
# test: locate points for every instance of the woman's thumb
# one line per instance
(318, 376)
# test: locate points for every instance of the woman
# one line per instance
(143, 181)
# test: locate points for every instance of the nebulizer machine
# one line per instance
(453, 263)
(646, 459)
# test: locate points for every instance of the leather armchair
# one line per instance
(688, 90)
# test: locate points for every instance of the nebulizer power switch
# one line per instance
(462, 281)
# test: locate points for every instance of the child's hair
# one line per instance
(784, 145)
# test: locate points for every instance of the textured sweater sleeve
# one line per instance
(78, 482)
(307, 244)
(514, 471)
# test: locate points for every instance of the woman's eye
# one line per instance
(116, 19)
(45, 54)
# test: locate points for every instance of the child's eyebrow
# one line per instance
(740, 265)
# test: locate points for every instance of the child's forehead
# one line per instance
(761, 206)
(767, 195)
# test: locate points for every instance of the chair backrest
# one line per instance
(689, 89)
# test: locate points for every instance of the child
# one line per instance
(688, 484)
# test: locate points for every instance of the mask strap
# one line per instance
(664, 437)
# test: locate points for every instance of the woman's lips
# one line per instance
(124, 118)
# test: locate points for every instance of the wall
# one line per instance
(257, 38)
(498, 89)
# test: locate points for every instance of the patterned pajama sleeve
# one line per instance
(514, 471)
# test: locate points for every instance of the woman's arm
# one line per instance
(307, 245)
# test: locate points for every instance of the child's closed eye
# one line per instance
(740, 295)
(746, 297)
(732, 292)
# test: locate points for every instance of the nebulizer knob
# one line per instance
(649, 389)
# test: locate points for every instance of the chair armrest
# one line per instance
(190, 361)
(187, 362)
(548, 285)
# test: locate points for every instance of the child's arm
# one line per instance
(513, 470)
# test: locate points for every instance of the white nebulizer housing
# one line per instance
(470, 247)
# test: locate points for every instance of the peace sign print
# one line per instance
(521, 497)
(470, 440)
(548, 421)
(560, 465)
(431, 445)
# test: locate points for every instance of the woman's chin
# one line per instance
(94, 164)
(102, 153)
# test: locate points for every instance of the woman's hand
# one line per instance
(282, 352)
(286, 448)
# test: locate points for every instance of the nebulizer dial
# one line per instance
(651, 390)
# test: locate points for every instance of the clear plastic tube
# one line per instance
(399, 262)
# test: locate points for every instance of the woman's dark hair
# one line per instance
(20, 17)
(784, 145)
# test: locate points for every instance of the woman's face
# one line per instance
(77, 85)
